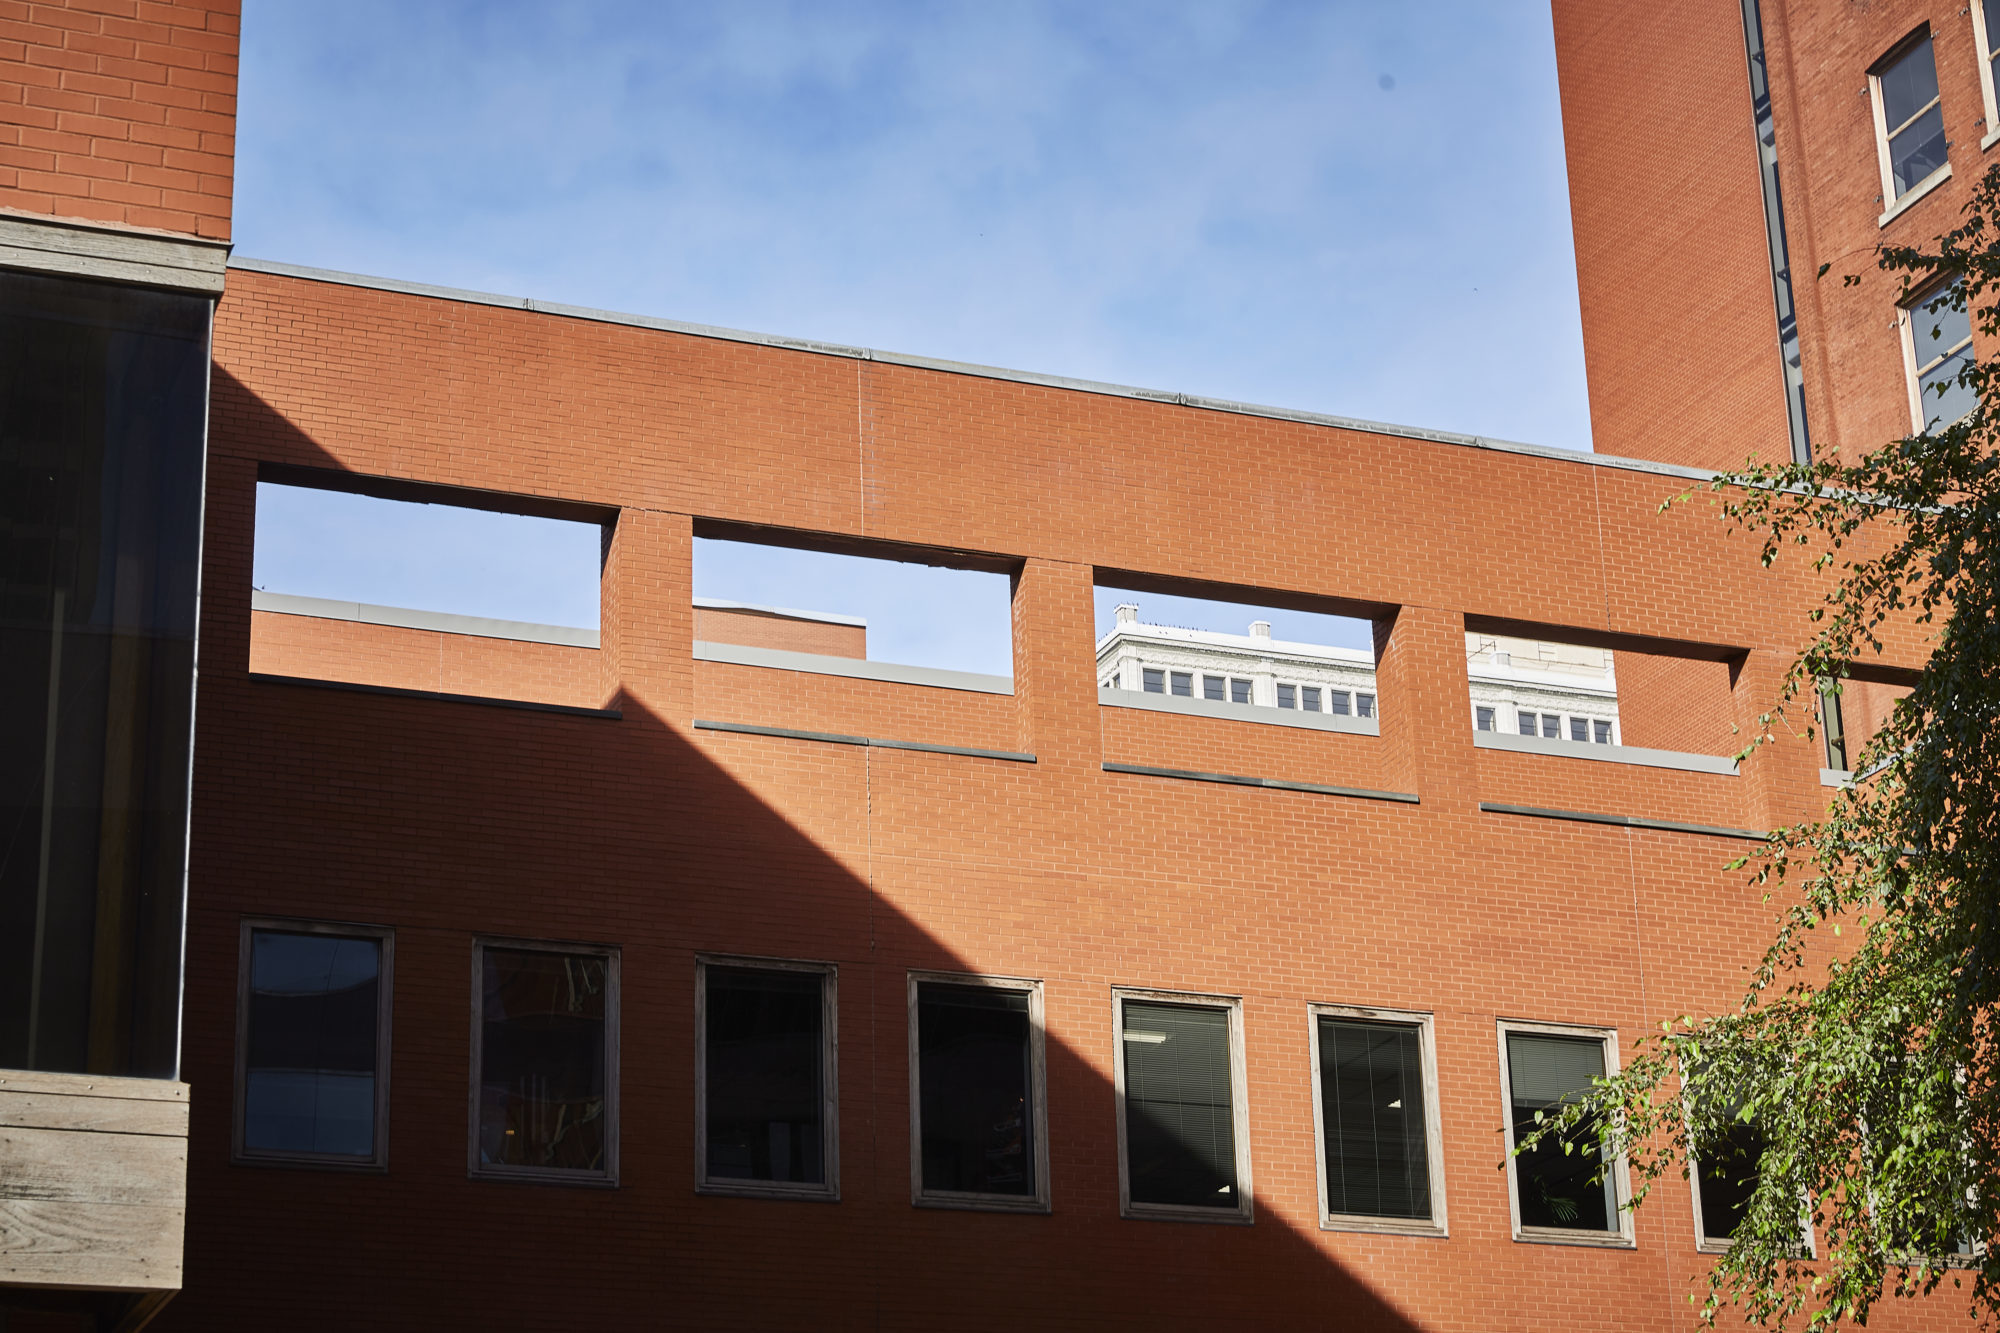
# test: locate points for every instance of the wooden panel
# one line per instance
(96, 1115)
(93, 1085)
(95, 1245)
(55, 1164)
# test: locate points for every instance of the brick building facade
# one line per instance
(669, 821)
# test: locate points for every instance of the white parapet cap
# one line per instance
(779, 612)
(1261, 645)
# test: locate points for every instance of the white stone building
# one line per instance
(1519, 686)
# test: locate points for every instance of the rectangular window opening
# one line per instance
(766, 1109)
(312, 1050)
(1937, 346)
(1909, 118)
(1560, 1195)
(545, 1062)
(1248, 655)
(392, 584)
(1377, 1116)
(976, 1096)
(1183, 1144)
(931, 619)
(1581, 698)
(1725, 1172)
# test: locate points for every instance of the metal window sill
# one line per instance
(1914, 193)
(1226, 712)
(1606, 754)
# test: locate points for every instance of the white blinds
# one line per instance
(1544, 1070)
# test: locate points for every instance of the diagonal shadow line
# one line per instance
(446, 819)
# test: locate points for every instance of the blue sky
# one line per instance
(1348, 208)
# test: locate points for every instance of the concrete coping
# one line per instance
(1226, 712)
(856, 667)
(1607, 754)
(80, 249)
(403, 617)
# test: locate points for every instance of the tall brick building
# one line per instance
(637, 977)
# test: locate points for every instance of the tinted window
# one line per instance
(977, 1098)
(1913, 117)
(766, 1081)
(1556, 1188)
(309, 1067)
(1372, 1110)
(1179, 1123)
(1727, 1178)
(542, 1063)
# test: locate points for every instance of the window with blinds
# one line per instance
(765, 1078)
(1372, 1104)
(1554, 1189)
(1181, 1149)
(976, 1093)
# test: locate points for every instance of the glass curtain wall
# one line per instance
(103, 413)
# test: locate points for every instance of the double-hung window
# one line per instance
(1183, 684)
(1183, 1134)
(1909, 120)
(766, 1096)
(1482, 718)
(977, 1107)
(544, 1062)
(1568, 1197)
(1724, 1168)
(1937, 344)
(1153, 680)
(312, 1045)
(1239, 691)
(1215, 688)
(1376, 1116)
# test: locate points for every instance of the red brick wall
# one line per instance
(120, 111)
(753, 629)
(445, 820)
(416, 659)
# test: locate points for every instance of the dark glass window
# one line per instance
(544, 1100)
(977, 1097)
(1239, 691)
(310, 1062)
(1912, 116)
(1942, 342)
(1364, 705)
(103, 401)
(1183, 685)
(1339, 702)
(1309, 698)
(1180, 1133)
(1579, 729)
(1526, 721)
(1371, 1088)
(1727, 1177)
(765, 1050)
(1552, 727)
(1555, 1189)
(1602, 732)
(1835, 731)
(1212, 687)
(1288, 696)
(1155, 680)
(1483, 719)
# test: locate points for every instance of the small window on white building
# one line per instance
(1239, 691)
(1909, 119)
(1339, 703)
(1579, 729)
(1526, 721)
(1552, 727)
(1183, 684)
(1215, 687)
(1364, 705)
(1288, 696)
(1156, 680)
(1309, 698)
(1602, 732)
(1483, 718)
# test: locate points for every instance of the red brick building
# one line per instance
(645, 843)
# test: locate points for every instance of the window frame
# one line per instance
(1982, 42)
(542, 1175)
(1706, 1244)
(1244, 1213)
(376, 1163)
(1906, 328)
(827, 1191)
(1623, 1237)
(966, 1200)
(1437, 1226)
(1893, 203)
